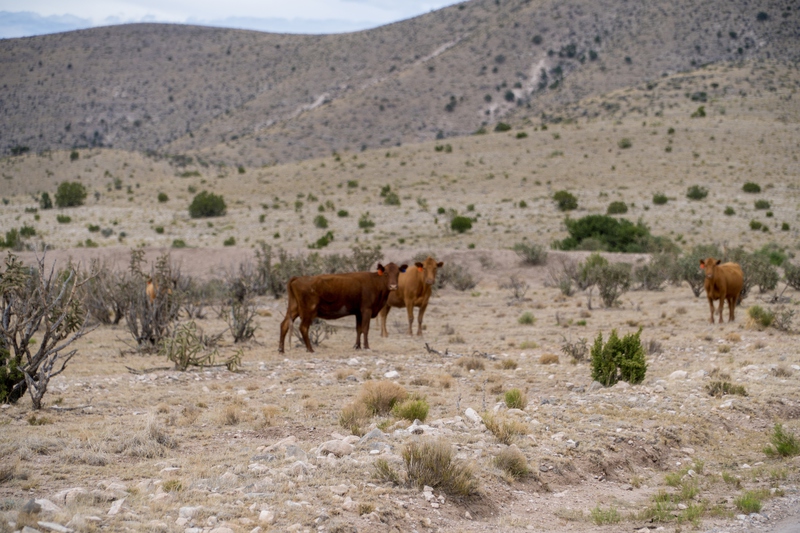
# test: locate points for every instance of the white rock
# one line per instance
(52, 526)
(517, 412)
(621, 385)
(68, 496)
(349, 504)
(472, 415)
(188, 512)
(341, 490)
(116, 506)
(679, 374)
(392, 374)
(48, 506)
(353, 362)
(726, 405)
(222, 530)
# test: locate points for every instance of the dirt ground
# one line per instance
(119, 447)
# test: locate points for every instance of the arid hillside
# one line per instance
(254, 98)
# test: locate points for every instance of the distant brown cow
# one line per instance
(329, 296)
(413, 290)
(723, 282)
(150, 290)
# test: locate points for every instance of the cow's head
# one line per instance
(428, 268)
(710, 266)
(392, 272)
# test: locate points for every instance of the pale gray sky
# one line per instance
(22, 18)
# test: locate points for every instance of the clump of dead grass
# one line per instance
(733, 337)
(507, 364)
(504, 429)
(722, 388)
(379, 397)
(445, 380)
(471, 363)
(548, 359)
(512, 462)
(384, 472)
(354, 417)
(148, 442)
(431, 462)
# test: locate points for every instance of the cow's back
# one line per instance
(734, 278)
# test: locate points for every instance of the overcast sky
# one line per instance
(22, 18)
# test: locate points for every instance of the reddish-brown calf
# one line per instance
(413, 290)
(723, 282)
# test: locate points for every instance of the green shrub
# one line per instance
(207, 204)
(791, 273)
(618, 359)
(782, 443)
(323, 241)
(762, 204)
(602, 516)
(70, 194)
(531, 254)
(756, 225)
(27, 231)
(412, 409)
(660, 198)
(320, 222)
(342, 213)
(527, 319)
(763, 318)
(391, 198)
(178, 243)
(757, 270)
(365, 222)
(700, 113)
(522, 135)
(502, 126)
(159, 230)
(45, 202)
(729, 211)
(162, 197)
(74, 155)
(461, 224)
(93, 228)
(63, 219)
(566, 201)
(624, 143)
(617, 208)
(241, 169)
(611, 234)
(432, 463)
(230, 241)
(751, 187)
(696, 192)
(749, 502)
(352, 184)
(513, 462)
(774, 253)
(515, 399)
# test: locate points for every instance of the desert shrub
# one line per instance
(660, 198)
(749, 502)
(354, 417)
(757, 270)
(723, 388)
(162, 197)
(505, 430)
(515, 399)
(696, 192)
(653, 275)
(45, 202)
(502, 126)
(756, 225)
(207, 204)
(239, 307)
(782, 443)
(526, 319)
(762, 204)
(517, 286)
(412, 409)
(774, 253)
(365, 222)
(320, 222)
(617, 208)
(785, 226)
(602, 516)
(323, 241)
(761, 317)
(513, 462)
(105, 292)
(618, 359)
(70, 194)
(342, 213)
(461, 224)
(185, 348)
(612, 235)
(364, 257)
(63, 219)
(455, 275)
(611, 279)
(563, 275)
(391, 198)
(531, 254)
(751, 187)
(178, 243)
(624, 143)
(791, 274)
(700, 113)
(729, 211)
(74, 155)
(41, 302)
(565, 200)
(432, 463)
(381, 396)
(149, 321)
(230, 241)
(576, 350)
(384, 472)
(471, 363)
(27, 231)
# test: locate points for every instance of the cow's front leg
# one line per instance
(711, 305)
(419, 317)
(410, 311)
(365, 329)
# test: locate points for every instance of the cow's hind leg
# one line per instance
(286, 325)
(365, 328)
(419, 318)
(731, 305)
(305, 324)
(359, 325)
(410, 312)
(384, 314)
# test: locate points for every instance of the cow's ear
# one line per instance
(381, 270)
(419, 265)
(702, 264)
(403, 268)
(439, 264)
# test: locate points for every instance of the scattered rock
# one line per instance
(296, 452)
(47, 506)
(53, 526)
(32, 507)
(266, 517)
(349, 504)
(679, 374)
(392, 374)
(375, 434)
(69, 496)
(115, 507)
(472, 416)
(341, 490)
(336, 447)
(595, 386)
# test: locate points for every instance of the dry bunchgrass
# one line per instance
(471, 363)
(344, 373)
(508, 364)
(733, 337)
(781, 371)
(380, 396)
(354, 417)
(269, 413)
(548, 359)
(384, 472)
(431, 462)
(149, 441)
(512, 462)
(445, 380)
(85, 457)
(505, 430)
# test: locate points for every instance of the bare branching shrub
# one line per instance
(240, 305)
(578, 350)
(381, 396)
(653, 275)
(791, 273)
(512, 462)
(687, 267)
(784, 318)
(455, 275)
(517, 286)
(186, 347)
(653, 347)
(274, 268)
(505, 430)
(318, 332)
(104, 292)
(149, 441)
(431, 462)
(35, 302)
(196, 295)
(531, 254)
(365, 257)
(565, 275)
(151, 317)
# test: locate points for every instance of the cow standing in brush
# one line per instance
(413, 290)
(723, 282)
(331, 296)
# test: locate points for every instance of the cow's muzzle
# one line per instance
(393, 287)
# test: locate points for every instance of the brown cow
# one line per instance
(413, 290)
(723, 282)
(151, 290)
(329, 296)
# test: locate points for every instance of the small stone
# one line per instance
(375, 434)
(467, 515)
(188, 512)
(116, 506)
(48, 506)
(341, 490)
(266, 517)
(353, 362)
(337, 448)
(349, 504)
(679, 374)
(32, 507)
(472, 415)
(392, 374)
(595, 386)
(221, 530)
(53, 526)
(621, 385)
(296, 452)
